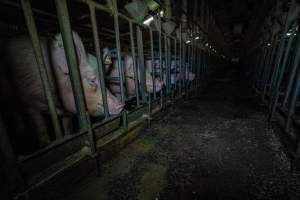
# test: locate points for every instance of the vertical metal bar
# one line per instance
(99, 60)
(152, 64)
(277, 63)
(160, 65)
(280, 54)
(180, 60)
(175, 64)
(280, 77)
(65, 28)
(26, 6)
(169, 54)
(166, 64)
(184, 67)
(120, 68)
(295, 65)
(192, 60)
(269, 68)
(141, 63)
(292, 106)
(261, 68)
(136, 81)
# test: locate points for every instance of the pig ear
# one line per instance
(106, 56)
(58, 54)
(80, 50)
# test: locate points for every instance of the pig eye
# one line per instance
(130, 77)
(93, 82)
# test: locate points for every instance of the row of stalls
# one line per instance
(273, 68)
(53, 119)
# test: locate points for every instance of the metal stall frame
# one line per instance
(185, 54)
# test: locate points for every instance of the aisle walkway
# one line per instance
(215, 145)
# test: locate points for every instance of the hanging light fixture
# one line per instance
(148, 20)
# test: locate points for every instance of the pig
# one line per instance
(89, 78)
(189, 76)
(26, 81)
(127, 64)
(164, 71)
(27, 84)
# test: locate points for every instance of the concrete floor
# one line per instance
(214, 145)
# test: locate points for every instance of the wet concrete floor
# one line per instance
(212, 145)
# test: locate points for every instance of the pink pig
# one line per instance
(127, 64)
(89, 78)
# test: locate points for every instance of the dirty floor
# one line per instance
(212, 145)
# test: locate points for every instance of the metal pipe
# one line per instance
(135, 71)
(160, 64)
(180, 59)
(293, 103)
(26, 6)
(99, 60)
(280, 77)
(141, 63)
(65, 28)
(152, 64)
(166, 65)
(120, 68)
(175, 64)
(294, 68)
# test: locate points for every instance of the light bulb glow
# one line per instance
(148, 21)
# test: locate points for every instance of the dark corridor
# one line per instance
(212, 145)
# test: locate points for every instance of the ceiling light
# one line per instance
(148, 20)
(161, 13)
(197, 38)
(188, 41)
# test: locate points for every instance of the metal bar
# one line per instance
(277, 64)
(141, 63)
(169, 57)
(295, 65)
(99, 60)
(152, 64)
(120, 68)
(26, 6)
(180, 59)
(292, 106)
(184, 67)
(269, 68)
(160, 65)
(261, 68)
(166, 64)
(281, 73)
(136, 81)
(65, 28)
(175, 65)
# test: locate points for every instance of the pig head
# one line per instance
(89, 79)
(128, 68)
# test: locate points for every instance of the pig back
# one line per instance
(24, 72)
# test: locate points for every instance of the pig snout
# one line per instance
(114, 110)
(158, 85)
(114, 104)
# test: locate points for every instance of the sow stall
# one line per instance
(81, 138)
